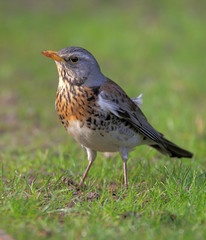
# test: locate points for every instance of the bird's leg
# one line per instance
(125, 173)
(124, 154)
(91, 155)
(85, 173)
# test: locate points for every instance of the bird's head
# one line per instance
(77, 66)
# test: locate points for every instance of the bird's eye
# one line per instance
(73, 59)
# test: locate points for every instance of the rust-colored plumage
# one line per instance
(74, 103)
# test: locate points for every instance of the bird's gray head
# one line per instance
(77, 66)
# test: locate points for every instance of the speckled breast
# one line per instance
(85, 121)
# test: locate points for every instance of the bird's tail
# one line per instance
(171, 149)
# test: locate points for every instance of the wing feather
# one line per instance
(113, 99)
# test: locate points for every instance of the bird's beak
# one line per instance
(53, 55)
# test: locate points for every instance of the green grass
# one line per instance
(152, 47)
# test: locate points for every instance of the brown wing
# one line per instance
(112, 98)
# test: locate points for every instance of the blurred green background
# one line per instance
(152, 47)
(157, 48)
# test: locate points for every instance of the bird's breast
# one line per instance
(89, 125)
(74, 103)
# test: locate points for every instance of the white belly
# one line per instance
(105, 141)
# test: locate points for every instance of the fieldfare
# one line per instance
(98, 114)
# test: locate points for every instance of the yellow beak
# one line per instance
(53, 55)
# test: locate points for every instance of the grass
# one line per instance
(155, 48)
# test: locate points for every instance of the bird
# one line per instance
(98, 113)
